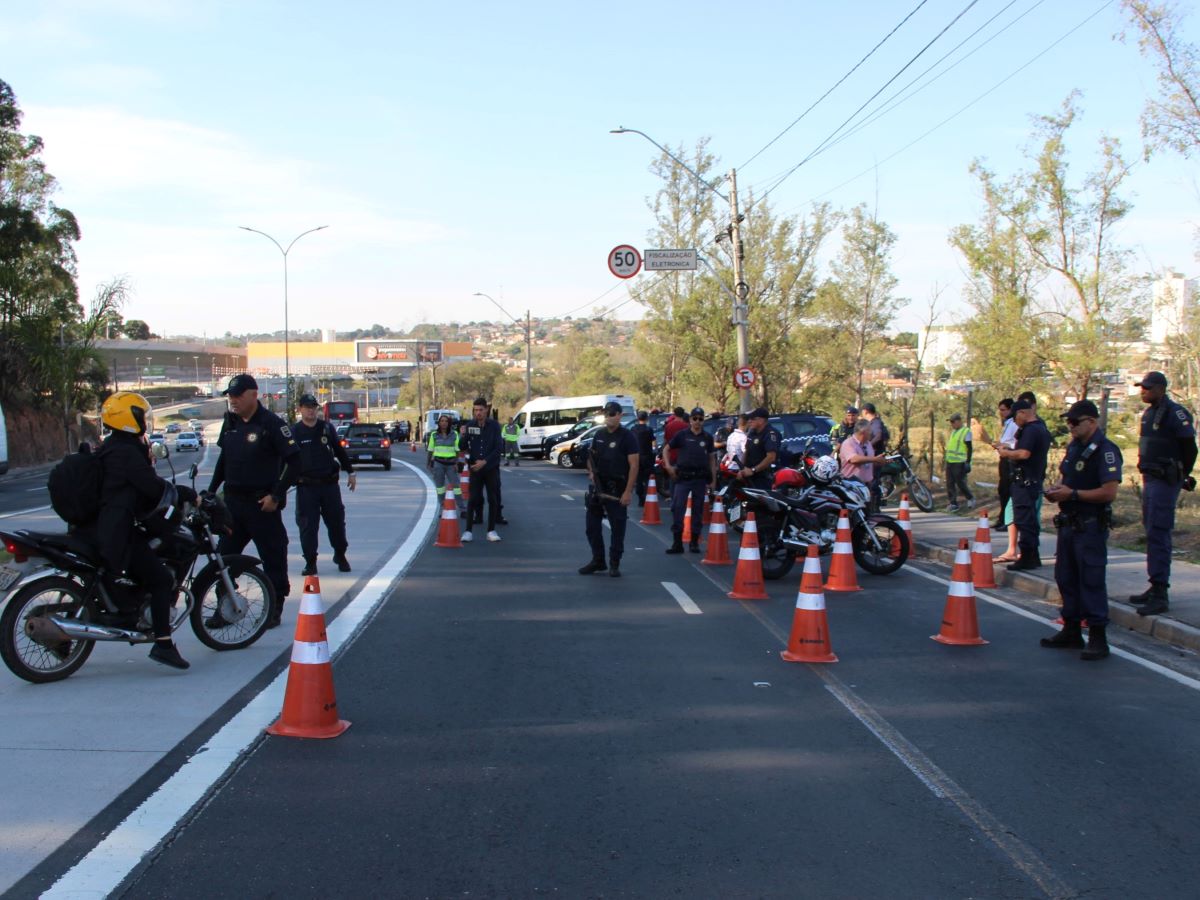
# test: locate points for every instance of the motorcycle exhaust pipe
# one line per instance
(47, 630)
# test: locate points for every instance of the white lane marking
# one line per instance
(35, 490)
(24, 512)
(100, 872)
(1178, 678)
(689, 606)
(534, 481)
(566, 496)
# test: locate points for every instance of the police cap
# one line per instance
(239, 384)
(1082, 409)
(759, 413)
(852, 409)
(612, 408)
(307, 400)
(698, 411)
(956, 417)
(1153, 379)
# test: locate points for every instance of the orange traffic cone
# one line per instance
(448, 535)
(960, 625)
(904, 518)
(982, 572)
(708, 509)
(809, 641)
(412, 446)
(309, 705)
(650, 514)
(464, 483)
(842, 575)
(716, 550)
(687, 537)
(748, 576)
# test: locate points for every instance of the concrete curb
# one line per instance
(1163, 628)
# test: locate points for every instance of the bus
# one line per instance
(338, 411)
(544, 416)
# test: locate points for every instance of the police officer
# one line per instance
(644, 435)
(1091, 473)
(694, 469)
(259, 462)
(844, 429)
(762, 448)
(318, 496)
(1028, 461)
(612, 470)
(1166, 454)
(512, 434)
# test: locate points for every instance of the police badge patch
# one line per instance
(324, 439)
(1110, 457)
(285, 431)
(612, 445)
(1079, 466)
(252, 437)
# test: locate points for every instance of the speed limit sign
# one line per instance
(624, 261)
(744, 378)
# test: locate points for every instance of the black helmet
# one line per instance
(166, 515)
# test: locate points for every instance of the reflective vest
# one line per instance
(956, 447)
(443, 447)
(512, 432)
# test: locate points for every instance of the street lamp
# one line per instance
(528, 346)
(287, 370)
(196, 360)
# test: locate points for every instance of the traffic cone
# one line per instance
(748, 576)
(686, 537)
(809, 640)
(650, 513)
(708, 509)
(464, 483)
(842, 575)
(448, 535)
(413, 446)
(309, 705)
(716, 549)
(960, 624)
(905, 519)
(982, 572)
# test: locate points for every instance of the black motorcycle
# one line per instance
(897, 471)
(61, 600)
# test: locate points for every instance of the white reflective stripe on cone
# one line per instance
(449, 513)
(751, 527)
(842, 547)
(716, 528)
(984, 548)
(961, 589)
(310, 654)
(311, 605)
(813, 602)
(962, 557)
(749, 553)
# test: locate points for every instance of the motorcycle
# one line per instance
(898, 471)
(790, 520)
(61, 600)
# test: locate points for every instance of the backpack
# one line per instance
(74, 485)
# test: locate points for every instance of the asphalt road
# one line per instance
(519, 730)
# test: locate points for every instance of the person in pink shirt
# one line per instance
(857, 456)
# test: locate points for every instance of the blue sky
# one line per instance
(455, 148)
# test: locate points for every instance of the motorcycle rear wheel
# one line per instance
(249, 581)
(25, 657)
(894, 541)
(777, 558)
(921, 495)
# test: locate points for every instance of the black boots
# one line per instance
(614, 568)
(596, 565)
(340, 560)
(1070, 638)
(167, 653)
(1143, 597)
(694, 546)
(1157, 601)
(1026, 562)
(1097, 645)
(310, 567)
(676, 547)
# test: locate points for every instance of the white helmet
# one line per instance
(825, 469)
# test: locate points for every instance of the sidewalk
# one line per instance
(936, 536)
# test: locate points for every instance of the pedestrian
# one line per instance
(644, 435)
(959, 449)
(259, 462)
(762, 449)
(735, 444)
(512, 434)
(1166, 455)
(677, 422)
(483, 447)
(857, 456)
(1028, 474)
(322, 459)
(1008, 433)
(612, 466)
(443, 445)
(694, 470)
(1091, 474)
(843, 429)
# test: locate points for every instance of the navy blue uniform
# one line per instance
(1082, 549)
(693, 473)
(258, 458)
(644, 435)
(608, 460)
(318, 496)
(1166, 454)
(1028, 476)
(484, 442)
(758, 445)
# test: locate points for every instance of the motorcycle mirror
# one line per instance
(193, 471)
(159, 450)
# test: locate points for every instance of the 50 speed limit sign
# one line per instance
(624, 261)
(744, 378)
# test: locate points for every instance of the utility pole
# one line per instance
(528, 357)
(741, 310)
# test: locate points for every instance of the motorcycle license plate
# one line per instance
(8, 577)
(735, 513)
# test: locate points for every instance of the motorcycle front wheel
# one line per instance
(24, 656)
(777, 558)
(211, 628)
(920, 494)
(891, 552)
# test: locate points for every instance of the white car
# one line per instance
(195, 425)
(187, 440)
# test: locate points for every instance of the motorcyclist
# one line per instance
(132, 490)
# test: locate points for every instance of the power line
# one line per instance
(836, 85)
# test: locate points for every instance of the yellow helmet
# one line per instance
(125, 411)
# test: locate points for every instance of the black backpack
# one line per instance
(74, 486)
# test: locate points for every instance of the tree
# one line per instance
(1172, 119)
(137, 330)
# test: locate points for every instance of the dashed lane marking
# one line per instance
(24, 512)
(566, 496)
(689, 605)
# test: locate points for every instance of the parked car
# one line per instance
(561, 453)
(580, 448)
(187, 440)
(368, 444)
(574, 431)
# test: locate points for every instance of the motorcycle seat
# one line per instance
(66, 542)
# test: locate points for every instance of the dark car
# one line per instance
(800, 433)
(574, 431)
(368, 444)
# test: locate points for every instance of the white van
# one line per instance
(432, 416)
(3, 443)
(544, 416)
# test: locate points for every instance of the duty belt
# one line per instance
(331, 478)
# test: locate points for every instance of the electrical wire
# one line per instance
(836, 85)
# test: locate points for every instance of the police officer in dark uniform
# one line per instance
(612, 469)
(694, 469)
(259, 462)
(1166, 455)
(1028, 460)
(1091, 473)
(762, 449)
(318, 496)
(644, 435)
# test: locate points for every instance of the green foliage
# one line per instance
(136, 330)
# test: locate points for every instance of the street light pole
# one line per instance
(528, 326)
(196, 360)
(287, 370)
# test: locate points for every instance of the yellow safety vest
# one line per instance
(443, 447)
(956, 447)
